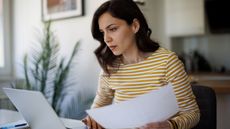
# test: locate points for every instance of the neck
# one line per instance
(133, 57)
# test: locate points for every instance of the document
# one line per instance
(155, 106)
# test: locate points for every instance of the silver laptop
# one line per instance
(35, 109)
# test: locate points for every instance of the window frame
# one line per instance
(7, 69)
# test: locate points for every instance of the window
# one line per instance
(5, 44)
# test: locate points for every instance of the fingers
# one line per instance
(87, 121)
(99, 126)
(156, 125)
(94, 124)
(91, 124)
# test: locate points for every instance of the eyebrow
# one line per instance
(106, 27)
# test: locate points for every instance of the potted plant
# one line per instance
(44, 72)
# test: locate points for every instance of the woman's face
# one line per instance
(118, 35)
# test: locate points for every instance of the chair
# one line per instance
(206, 100)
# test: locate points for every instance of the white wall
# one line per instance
(154, 11)
(27, 20)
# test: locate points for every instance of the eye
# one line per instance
(113, 29)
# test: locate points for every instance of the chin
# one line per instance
(116, 53)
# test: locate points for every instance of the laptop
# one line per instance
(36, 110)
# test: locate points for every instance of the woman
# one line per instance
(133, 64)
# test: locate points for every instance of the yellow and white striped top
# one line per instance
(131, 80)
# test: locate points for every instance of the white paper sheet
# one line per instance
(155, 106)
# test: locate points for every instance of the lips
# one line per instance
(112, 47)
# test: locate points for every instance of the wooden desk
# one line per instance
(218, 86)
(219, 82)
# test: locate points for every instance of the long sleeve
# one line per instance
(189, 113)
(133, 80)
(104, 95)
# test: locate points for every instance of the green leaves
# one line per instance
(42, 70)
(60, 78)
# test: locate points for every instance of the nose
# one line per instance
(107, 38)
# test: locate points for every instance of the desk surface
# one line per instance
(219, 82)
(8, 116)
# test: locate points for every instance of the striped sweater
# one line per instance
(131, 80)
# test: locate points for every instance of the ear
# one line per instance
(135, 25)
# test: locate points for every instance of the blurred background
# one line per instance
(197, 30)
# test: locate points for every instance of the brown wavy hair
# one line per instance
(126, 10)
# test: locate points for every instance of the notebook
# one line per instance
(35, 109)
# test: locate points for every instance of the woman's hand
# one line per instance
(157, 125)
(91, 124)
